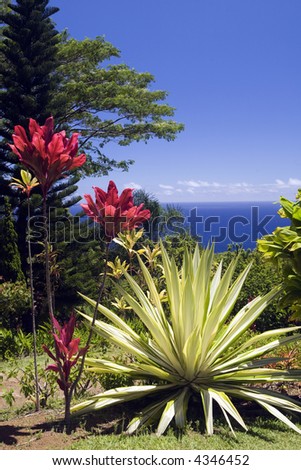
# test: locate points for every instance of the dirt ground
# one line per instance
(45, 430)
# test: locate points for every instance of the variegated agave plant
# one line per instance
(196, 349)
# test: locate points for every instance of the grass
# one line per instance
(263, 434)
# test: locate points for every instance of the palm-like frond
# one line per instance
(196, 350)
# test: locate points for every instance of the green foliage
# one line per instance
(262, 278)
(163, 222)
(29, 48)
(10, 262)
(14, 304)
(176, 245)
(8, 396)
(28, 62)
(80, 267)
(26, 378)
(150, 202)
(107, 103)
(198, 351)
(111, 381)
(284, 245)
(15, 343)
(24, 343)
(7, 343)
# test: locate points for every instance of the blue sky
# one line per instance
(233, 72)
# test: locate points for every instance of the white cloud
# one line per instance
(235, 190)
(294, 182)
(199, 184)
(133, 185)
(190, 183)
(166, 186)
(290, 182)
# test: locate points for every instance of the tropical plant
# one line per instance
(151, 255)
(115, 213)
(26, 182)
(47, 154)
(66, 355)
(117, 267)
(198, 350)
(128, 239)
(284, 244)
(26, 380)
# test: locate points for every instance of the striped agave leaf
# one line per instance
(195, 349)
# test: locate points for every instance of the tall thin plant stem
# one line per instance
(47, 261)
(33, 310)
(88, 342)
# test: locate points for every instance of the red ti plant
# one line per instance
(67, 353)
(46, 153)
(115, 213)
(49, 156)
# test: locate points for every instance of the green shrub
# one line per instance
(283, 249)
(15, 343)
(14, 304)
(262, 278)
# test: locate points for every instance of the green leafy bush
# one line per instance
(197, 351)
(15, 343)
(26, 378)
(14, 304)
(284, 245)
(261, 278)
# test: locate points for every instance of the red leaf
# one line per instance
(73, 347)
(46, 153)
(62, 385)
(55, 323)
(113, 213)
(47, 351)
(53, 367)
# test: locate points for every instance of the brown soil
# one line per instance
(33, 431)
(45, 430)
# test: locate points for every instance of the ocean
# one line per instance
(224, 223)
